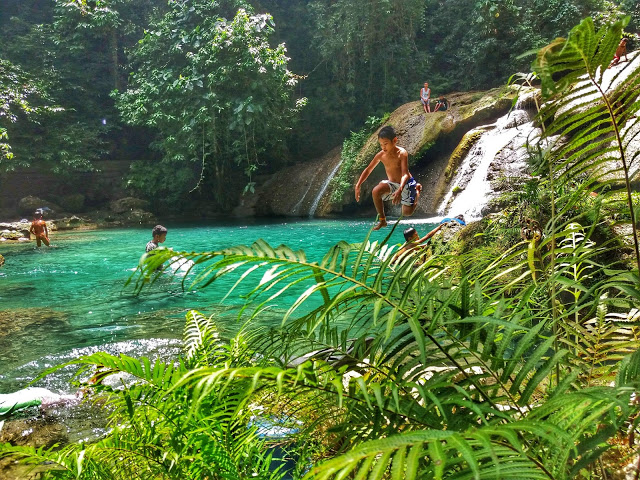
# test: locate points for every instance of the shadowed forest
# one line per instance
(193, 92)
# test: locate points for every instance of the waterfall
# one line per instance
(471, 189)
(325, 185)
(296, 208)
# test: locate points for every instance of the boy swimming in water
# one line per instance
(414, 242)
(400, 187)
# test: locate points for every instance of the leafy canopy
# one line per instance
(22, 98)
(218, 95)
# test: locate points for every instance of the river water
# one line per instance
(59, 303)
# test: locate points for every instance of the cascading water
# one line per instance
(296, 208)
(471, 189)
(325, 185)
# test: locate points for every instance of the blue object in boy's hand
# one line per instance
(446, 220)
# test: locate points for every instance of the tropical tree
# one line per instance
(217, 94)
(23, 99)
(367, 57)
(98, 31)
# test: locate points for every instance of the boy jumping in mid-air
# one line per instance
(400, 186)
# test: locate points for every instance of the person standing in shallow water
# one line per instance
(400, 187)
(39, 229)
(159, 236)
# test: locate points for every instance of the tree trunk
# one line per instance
(114, 59)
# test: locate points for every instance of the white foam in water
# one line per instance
(180, 266)
(421, 221)
(60, 380)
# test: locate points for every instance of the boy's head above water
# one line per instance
(159, 233)
(410, 234)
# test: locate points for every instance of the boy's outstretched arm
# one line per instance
(430, 234)
(365, 174)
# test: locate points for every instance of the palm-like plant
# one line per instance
(525, 368)
(159, 427)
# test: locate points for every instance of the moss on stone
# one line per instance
(460, 152)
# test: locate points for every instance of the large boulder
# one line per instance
(28, 205)
(140, 217)
(430, 139)
(128, 204)
(73, 203)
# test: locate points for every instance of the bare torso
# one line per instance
(38, 227)
(392, 161)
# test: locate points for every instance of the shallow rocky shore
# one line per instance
(124, 212)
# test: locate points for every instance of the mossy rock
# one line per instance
(28, 205)
(468, 141)
(439, 132)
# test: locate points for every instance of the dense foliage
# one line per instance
(218, 95)
(76, 50)
(20, 98)
(354, 60)
(483, 363)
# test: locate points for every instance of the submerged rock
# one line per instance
(19, 319)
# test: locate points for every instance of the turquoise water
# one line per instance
(59, 303)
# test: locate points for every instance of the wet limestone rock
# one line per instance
(294, 190)
(432, 142)
(14, 231)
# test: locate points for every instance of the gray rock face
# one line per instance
(294, 191)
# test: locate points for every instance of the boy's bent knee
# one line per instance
(381, 189)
